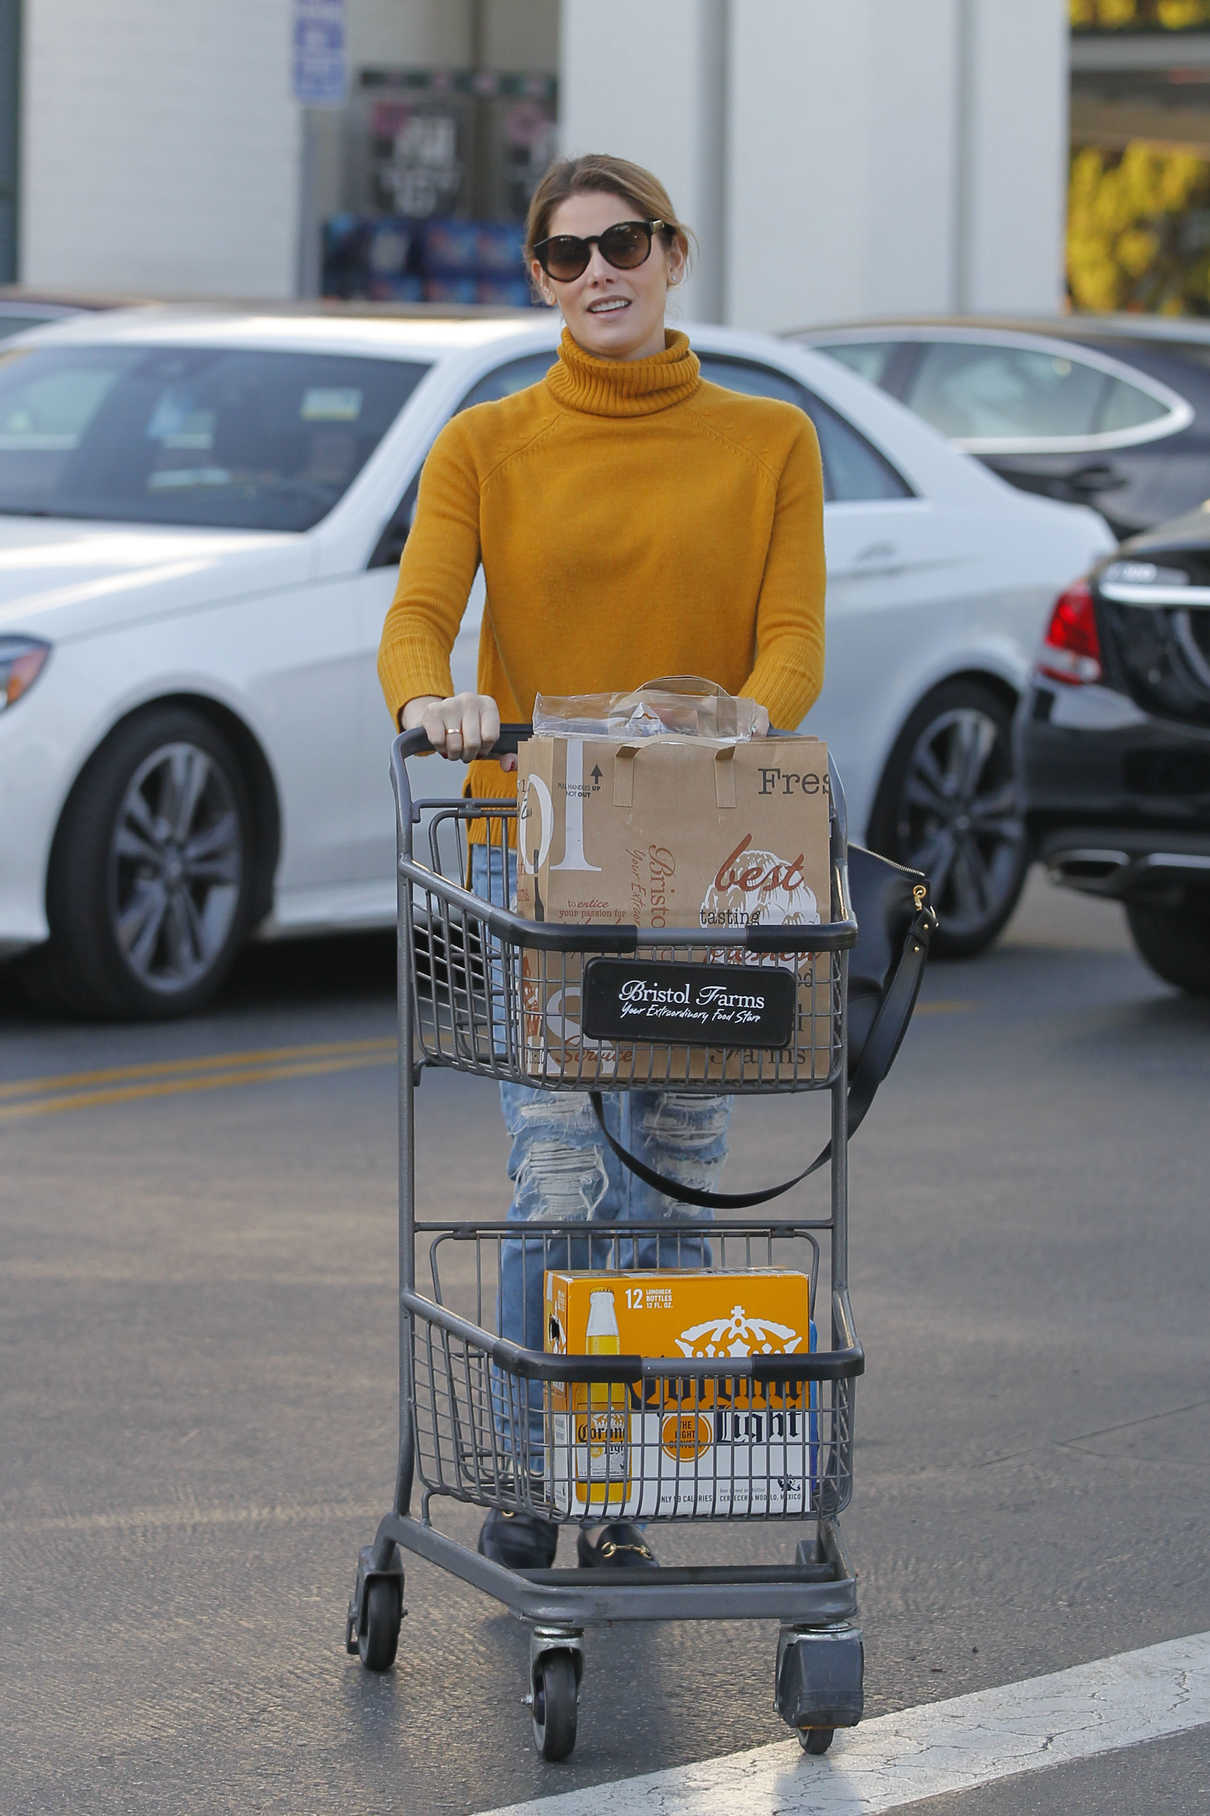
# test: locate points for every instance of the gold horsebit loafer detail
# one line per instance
(618, 1546)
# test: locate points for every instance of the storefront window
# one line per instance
(439, 168)
(1140, 15)
(1138, 229)
(1138, 220)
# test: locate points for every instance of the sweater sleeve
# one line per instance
(787, 673)
(439, 562)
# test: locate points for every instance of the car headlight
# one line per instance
(22, 660)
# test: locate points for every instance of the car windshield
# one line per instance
(16, 321)
(223, 438)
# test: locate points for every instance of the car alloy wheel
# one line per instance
(949, 806)
(151, 878)
(175, 867)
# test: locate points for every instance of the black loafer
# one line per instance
(617, 1546)
(519, 1541)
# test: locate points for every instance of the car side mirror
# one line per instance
(390, 544)
(1097, 476)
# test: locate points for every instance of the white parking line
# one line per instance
(944, 1746)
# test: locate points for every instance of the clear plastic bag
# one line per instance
(661, 709)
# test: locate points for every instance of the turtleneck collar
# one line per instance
(625, 387)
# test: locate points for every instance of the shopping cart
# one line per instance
(476, 1418)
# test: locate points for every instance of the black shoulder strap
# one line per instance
(881, 1045)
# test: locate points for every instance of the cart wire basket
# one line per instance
(486, 1421)
(494, 1428)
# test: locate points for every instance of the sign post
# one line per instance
(319, 62)
(319, 78)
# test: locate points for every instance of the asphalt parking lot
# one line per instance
(198, 1397)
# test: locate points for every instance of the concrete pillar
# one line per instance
(159, 148)
(889, 159)
(646, 82)
(10, 91)
(1014, 173)
(912, 224)
(798, 194)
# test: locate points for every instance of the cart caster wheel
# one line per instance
(555, 1705)
(819, 1681)
(375, 1610)
(378, 1633)
(815, 1740)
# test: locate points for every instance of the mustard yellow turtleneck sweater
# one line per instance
(633, 520)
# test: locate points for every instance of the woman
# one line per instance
(632, 521)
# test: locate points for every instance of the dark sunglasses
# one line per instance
(624, 246)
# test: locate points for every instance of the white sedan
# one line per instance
(201, 516)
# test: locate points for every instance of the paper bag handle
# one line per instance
(623, 775)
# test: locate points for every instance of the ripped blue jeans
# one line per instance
(563, 1171)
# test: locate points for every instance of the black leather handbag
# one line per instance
(886, 965)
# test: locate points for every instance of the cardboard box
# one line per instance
(675, 832)
(686, 1445)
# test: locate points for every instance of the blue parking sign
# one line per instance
(319, 65)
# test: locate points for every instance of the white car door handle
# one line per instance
(875, 558)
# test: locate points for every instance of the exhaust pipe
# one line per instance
(1096, 870)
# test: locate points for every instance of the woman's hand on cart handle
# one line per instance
(462, 728)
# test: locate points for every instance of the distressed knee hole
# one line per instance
(568, 1110)
(687, 1124)
(557, 1181)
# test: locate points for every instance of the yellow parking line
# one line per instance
(26, 1087)
(217, 1071)
(204, 1081)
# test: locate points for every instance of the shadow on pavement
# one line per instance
(355, 969)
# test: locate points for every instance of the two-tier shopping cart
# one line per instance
(475, 1409)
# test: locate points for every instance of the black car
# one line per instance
(1112, 743)
(1112, 411)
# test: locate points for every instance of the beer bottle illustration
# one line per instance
(606, 1445)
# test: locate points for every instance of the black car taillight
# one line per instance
(1071, 651)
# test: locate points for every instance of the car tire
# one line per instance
(1174, 942)
(948, 805)
(151, 873)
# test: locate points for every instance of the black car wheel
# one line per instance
(1174, 942)
(151, 874)
(948, 805)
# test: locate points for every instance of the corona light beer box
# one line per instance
(675, 832)
(685, 1445)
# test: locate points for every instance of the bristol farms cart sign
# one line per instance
(718, 1005)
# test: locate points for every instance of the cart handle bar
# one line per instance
(417, 743)
(541, 1365)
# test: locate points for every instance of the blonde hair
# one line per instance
(598, 174)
